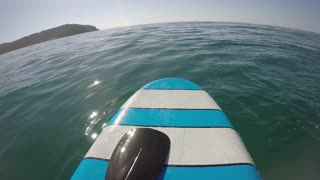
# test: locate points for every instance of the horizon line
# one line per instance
(102, 28)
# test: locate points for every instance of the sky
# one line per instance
(19, 18)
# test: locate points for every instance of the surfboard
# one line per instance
(203, 143)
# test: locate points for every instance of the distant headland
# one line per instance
(46, 35)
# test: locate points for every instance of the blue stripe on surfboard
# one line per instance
(171, 118)
(95, 169)
(232, 172)
(91, 169)
(172, 84)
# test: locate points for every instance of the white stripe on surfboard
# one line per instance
(189, 146)
(171, 99)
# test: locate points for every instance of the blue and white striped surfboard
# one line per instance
(204, 144)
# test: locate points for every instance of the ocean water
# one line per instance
(56, 96)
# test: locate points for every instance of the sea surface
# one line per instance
(55, 97)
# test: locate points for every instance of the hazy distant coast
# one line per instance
(46, 35)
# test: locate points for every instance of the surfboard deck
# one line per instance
(204, 144)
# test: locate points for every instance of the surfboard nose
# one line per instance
(172, 84)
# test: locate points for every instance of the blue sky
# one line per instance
(19, 18)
